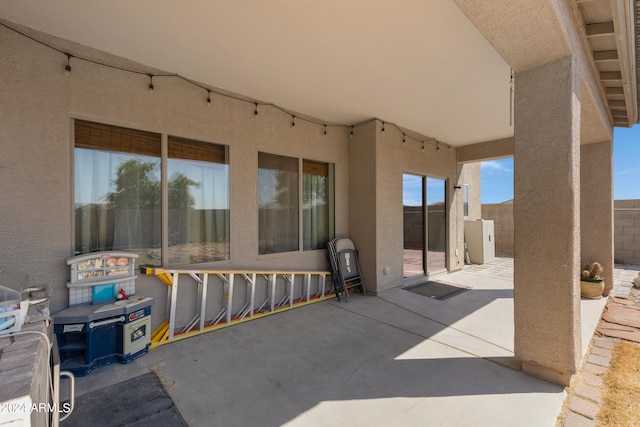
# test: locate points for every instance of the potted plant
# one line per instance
(591, 281)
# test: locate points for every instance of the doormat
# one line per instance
(141, 401)
(437, 290)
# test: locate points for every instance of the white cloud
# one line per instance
(628, 171)
(498, 166)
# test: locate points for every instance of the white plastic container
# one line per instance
(12, 311)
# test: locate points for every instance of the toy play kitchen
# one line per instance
(106, 321)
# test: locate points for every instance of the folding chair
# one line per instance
(345, 267)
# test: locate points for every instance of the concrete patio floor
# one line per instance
(394, 359)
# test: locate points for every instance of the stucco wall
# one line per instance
(376, 208)
(39, 104)
(36, 110)
(362, 199)
(470, 175)
(596, 219)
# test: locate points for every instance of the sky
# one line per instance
(412, 190)
(497, 175)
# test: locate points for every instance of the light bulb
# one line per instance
(67, 68)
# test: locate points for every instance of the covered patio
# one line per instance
(363, 92)
(394, 359)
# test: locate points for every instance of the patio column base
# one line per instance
(549, 374)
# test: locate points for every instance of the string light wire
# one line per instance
(211, 91)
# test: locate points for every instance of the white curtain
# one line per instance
(277, 204)
(117, 202)
(315, 221)
(198, 211)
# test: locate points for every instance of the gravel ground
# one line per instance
(624, 276)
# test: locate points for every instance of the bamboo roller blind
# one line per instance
(182, 148)
(113, 138)
(283, 163)
(315, 168)
(273, 161)
(123, 140)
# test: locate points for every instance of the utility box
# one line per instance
(480, 239)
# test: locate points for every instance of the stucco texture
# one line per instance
(40, 103)
(37, 110)
(547, 221)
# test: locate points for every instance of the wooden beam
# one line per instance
(614, 103)
(610, 75)
(600, 29)
(614, 90)
(605, 55)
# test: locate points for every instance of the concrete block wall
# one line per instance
(626, 229)
(626, 222)
(502, 216)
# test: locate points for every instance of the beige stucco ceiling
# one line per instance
(420, 64)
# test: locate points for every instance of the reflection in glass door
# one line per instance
(414, 218)
(425, 228)
(437, 225)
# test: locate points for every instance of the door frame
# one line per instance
(425, 212)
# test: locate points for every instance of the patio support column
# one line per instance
(547, 220)
(596, 207)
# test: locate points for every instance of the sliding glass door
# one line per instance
(424, 220)
(413, 198)
(437, 225)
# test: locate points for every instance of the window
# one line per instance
(465, 200)
(198, 184)
(277, 203)
(317, 200)
(279, 193)
(117, 190)
(118, 195)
